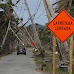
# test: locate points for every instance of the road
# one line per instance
(18, 64)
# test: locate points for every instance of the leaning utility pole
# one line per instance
(54, 38)
(65, 44)
(16, 35)
(66, 56)
(48, 14)
(24, 36)
(49, 18)
(50, 8)
(5, 35)
(25, 28)
(36, 37)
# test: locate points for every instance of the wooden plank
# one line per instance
(54, 50)
(71, 53)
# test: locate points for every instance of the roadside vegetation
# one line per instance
(9, 44)
(46, 64)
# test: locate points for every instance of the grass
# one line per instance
(38, 60)
(49, 68)
(58, 71)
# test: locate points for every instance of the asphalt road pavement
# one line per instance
(18, 64)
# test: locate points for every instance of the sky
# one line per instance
(22, 12)
(40, 17)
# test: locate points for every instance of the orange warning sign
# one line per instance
(62, 26)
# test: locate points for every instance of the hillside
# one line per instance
(38, 26)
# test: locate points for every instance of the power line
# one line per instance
(40, 15)
(37, 9)
(25, 29)
(24, 36)
(36, 37)
(16, 35)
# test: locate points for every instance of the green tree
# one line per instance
(5, 16)
(67, 5)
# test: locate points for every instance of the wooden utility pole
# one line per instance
(65, 44)
(37, 41)
(48, 14)
(71, 54)
(54, 38)
(54, 50)
(25, 28)
(50, 8)
(5, 35)
(16, 35)
(24, 36)
(49, 18)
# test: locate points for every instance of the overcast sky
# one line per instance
(40, 17)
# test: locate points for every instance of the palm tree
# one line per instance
(67, 5)
(6, 15)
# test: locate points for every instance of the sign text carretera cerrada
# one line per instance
(61, 23)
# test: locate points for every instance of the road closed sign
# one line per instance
(62, 26)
